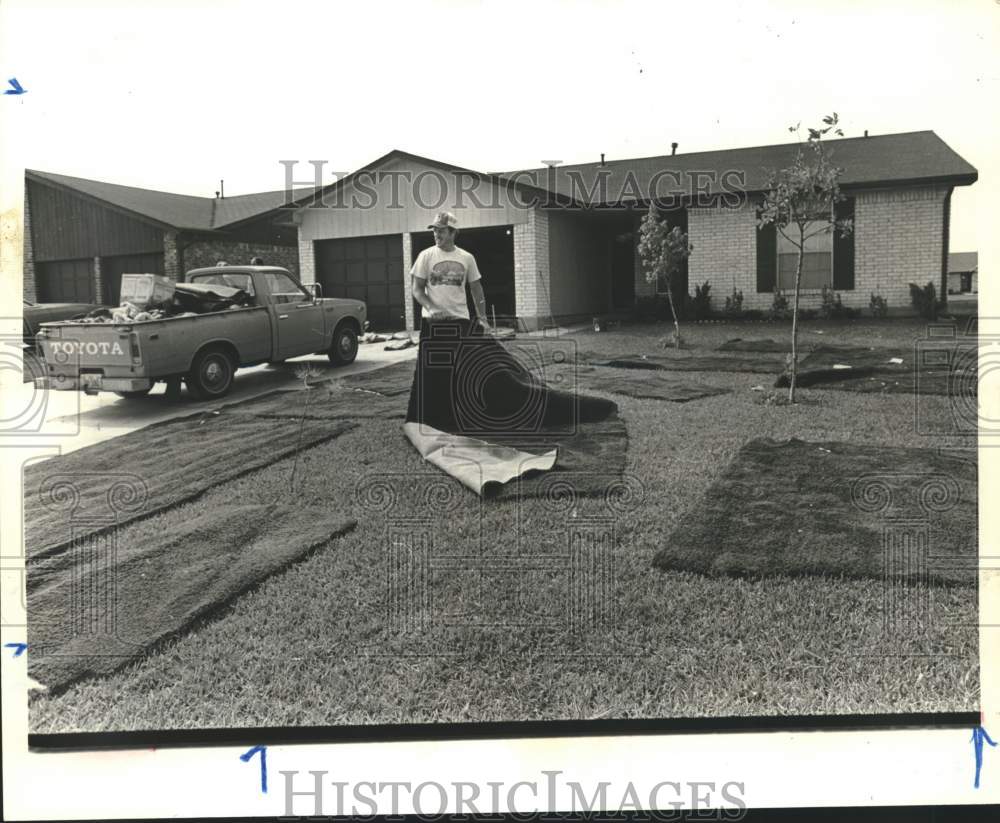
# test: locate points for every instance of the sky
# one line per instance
(178, 96)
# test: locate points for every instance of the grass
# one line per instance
(312, 646)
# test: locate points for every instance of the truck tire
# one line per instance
(134, 395)
(211, 374)
(344, 348)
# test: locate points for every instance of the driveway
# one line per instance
(72, 420)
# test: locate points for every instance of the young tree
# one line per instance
(800, 201)
(663, 252)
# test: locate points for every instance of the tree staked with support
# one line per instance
(800, 200)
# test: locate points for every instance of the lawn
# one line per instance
(328, 640)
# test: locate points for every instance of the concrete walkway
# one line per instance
(63, 421)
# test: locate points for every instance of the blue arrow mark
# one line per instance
(978, 735)
(245, 757)
(15, 87)
(19, 648)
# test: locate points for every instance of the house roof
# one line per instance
(180, 211)
(911, 157)
(961, 261)
(399, 154)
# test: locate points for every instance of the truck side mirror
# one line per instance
(316, 289)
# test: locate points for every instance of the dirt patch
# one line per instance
(105, 603)
(799, 508)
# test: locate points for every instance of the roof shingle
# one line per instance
(181, 211)
(890, 158)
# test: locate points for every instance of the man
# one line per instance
(441, 273)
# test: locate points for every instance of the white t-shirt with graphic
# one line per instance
(446, 273)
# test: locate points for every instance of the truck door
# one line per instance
(298, 318)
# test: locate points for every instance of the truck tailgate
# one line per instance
(88, 346)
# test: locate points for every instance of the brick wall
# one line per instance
(898, 234)
(29, 288)
(725, 254)
(202, 253)
(307, 261)
(172, 266)
(407, 285)
(532, 285)
(98, 281)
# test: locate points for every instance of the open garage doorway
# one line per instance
(493, 248)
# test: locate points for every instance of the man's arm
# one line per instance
(420, 295)
(479, 300)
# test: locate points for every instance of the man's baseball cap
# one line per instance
(444, 220)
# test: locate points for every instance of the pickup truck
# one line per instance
(284, 319)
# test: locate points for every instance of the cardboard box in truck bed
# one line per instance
(146, 290)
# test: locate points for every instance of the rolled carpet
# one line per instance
(478, 413)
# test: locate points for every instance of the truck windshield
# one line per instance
(235, 281)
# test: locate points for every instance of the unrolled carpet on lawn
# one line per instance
(389, 380)
(871, 369)
(642, 384)
(152, 469)
(93, 611)
(765, 344)
(763, 362)
(808, 508)
(323, 401)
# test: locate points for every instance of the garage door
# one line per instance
(112, 269)
(369, 269)
(65, 281)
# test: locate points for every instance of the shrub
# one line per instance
(831, 308)
(753, 314)
(701, 304)
(925, 300)
(878, 305)
(734, 303)
(808, 314)
(829, 303)
(779, 307)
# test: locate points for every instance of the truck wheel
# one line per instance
(211, 375)
(344, 347)
(134, 395)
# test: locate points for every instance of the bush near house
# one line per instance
(925, 300)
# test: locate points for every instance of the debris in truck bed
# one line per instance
(201, 297)
(188, 300)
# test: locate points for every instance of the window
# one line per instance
(283, 289)
(817, 261)
(233, 281)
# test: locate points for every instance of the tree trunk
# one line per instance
(795, 321)
(673, 313)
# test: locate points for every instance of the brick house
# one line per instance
(558, 243)
(81, 235)
(963, 272)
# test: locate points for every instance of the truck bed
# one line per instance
(148, 350)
